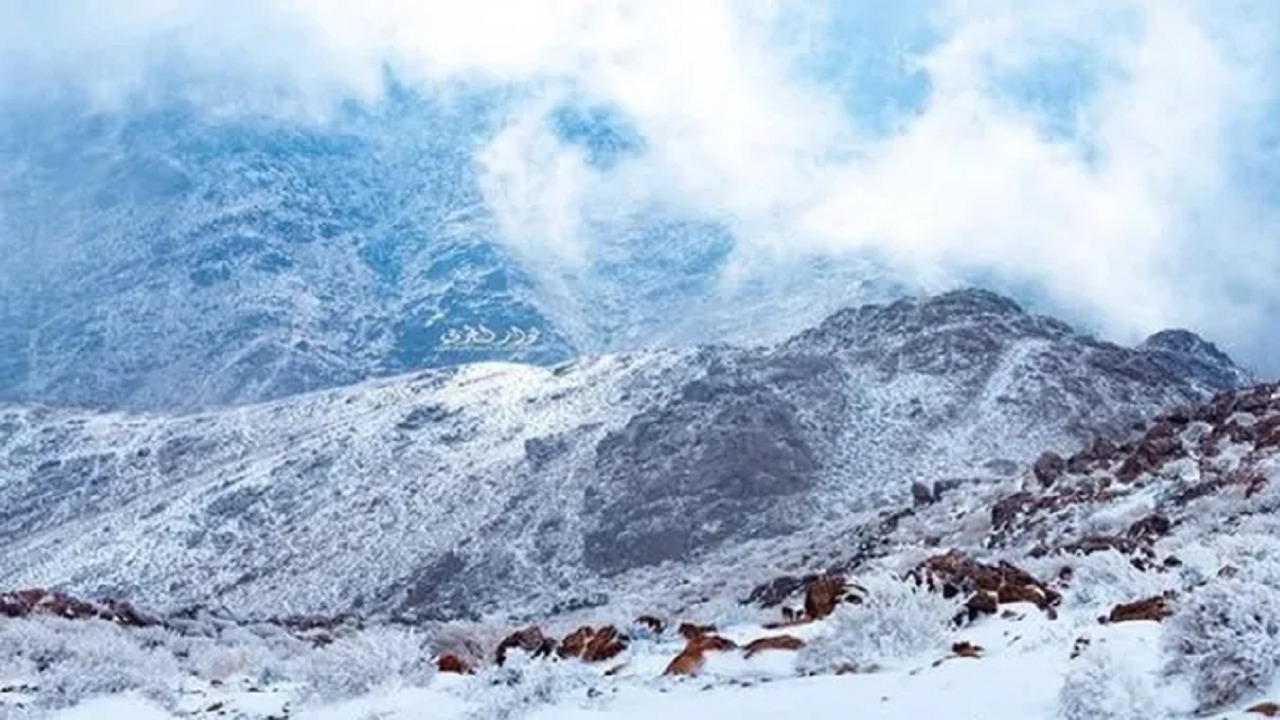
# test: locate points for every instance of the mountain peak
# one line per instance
(1187, 354)
(973, 301)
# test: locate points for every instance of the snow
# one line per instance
(114, 707)
(1025, 656)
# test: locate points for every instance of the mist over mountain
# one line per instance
(639, 358)
(197, 211)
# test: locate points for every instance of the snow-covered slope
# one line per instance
(520, 489)
(1143, 582)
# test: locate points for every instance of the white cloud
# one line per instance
(1138, 220)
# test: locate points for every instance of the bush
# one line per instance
(1103, 579)
(1226, 637)
(1101, 686)
(522, 684)
(78, 659)
(265, 657)
(726, 612)
(897, 620)
(357, 663)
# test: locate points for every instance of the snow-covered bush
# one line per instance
(1101, 685)
(358, 662)
(1226, 638)
(522, 684)
(79, 659)
(471, 641)
(897, 620)
(265, 654)
(725, 612)
(1104, 579)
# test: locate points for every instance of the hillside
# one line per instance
(520, 489)
(1128, 580)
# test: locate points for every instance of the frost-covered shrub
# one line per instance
(724, 612)
(1106, 578)
(471, 641)
(263, 654)
(897, 620)
(79, 659)
(361, 661)
(1101, 685)
(522, 684)
(1226, 638)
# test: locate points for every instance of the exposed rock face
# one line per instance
(453, 493)
(727, 456)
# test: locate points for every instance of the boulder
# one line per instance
(773, 642)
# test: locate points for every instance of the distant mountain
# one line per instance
(162, 259)
(490, 486)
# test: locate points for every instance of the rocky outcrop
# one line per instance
(531, 640)
(38, 601)
(592, 644)
(983, 586)
(691, 659)
(1153, 608)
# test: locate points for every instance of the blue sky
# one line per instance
(1111, 160)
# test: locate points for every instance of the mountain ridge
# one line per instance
(452, 492)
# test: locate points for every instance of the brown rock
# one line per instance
(607, 644)
(1150, 527)
(1007, 509)
(822, 595)
(530, 640)
(691, 659)
(1265, 709)
(688, 662)
(690, 631)
(983, 602)
(966, 649)
(450, 663)
(714, 643)
(987, 586)
(575, 642)
(1152, 608)
(773, 642)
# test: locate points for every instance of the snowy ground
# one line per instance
(1018, 677)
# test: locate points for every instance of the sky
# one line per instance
(1110, 160)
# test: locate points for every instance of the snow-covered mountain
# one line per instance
(168, 259)
(523, 489)
(1128, 580)
(164, 259)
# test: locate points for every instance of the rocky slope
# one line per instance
(1131, 579)
(525, 489)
